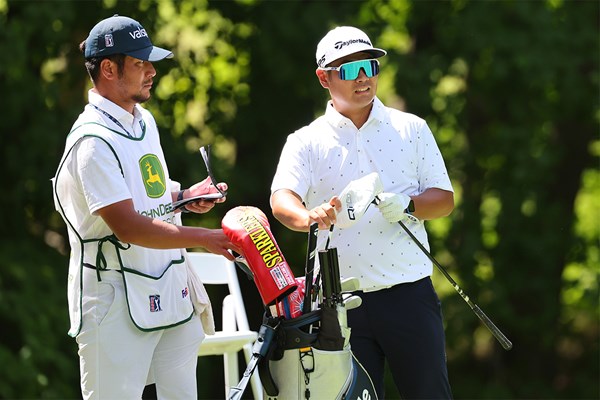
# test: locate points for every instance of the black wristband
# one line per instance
(411, 208)
(179, 198)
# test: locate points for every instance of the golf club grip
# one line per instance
(506, 344)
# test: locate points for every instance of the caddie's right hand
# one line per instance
(217, 242)
(392, 206)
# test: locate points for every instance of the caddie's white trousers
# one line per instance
(117, 360)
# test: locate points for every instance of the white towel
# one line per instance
(198, 294)
(200, 299)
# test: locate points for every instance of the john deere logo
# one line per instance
(153, 175)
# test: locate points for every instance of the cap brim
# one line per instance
(150, 53)
(374, 52)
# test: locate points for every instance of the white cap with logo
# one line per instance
(344, 40)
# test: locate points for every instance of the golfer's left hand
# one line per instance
(392, 206)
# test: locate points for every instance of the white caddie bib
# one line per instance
(156, 281)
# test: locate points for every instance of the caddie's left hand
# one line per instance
(393, 207)
(200, 188)
(205, 187)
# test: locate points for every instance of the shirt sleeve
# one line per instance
(433, 173)
(293, 170)
(101, 177)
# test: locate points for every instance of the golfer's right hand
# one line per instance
(325, 215)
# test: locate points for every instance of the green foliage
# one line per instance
(510, 90)
(36, 354)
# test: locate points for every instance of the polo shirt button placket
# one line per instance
(363, 163)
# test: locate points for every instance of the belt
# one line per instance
(375, 289)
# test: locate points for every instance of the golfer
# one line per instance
(400, 319)
(128, 293)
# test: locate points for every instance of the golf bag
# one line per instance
(303, 348)
(305, 365)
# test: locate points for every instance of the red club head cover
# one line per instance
(291, 306)
(248, 228)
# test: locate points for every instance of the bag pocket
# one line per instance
(326, 374)
(158, 302)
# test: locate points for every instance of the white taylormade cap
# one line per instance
(344, 40)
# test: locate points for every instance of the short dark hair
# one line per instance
(92, 65)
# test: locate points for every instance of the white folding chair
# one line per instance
(235, 334)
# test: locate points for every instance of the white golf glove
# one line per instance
(393, 206)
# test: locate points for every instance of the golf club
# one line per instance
(506, 344)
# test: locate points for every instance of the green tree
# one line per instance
(509, 88)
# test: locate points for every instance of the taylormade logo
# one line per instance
(139, 33)
(341, 44)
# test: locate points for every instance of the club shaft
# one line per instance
(310, 267)
(329, 236)
(506, 344)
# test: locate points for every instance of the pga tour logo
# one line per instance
(108, 40)
(155, 303)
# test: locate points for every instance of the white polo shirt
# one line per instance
(320, 159)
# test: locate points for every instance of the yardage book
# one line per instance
(208, 196)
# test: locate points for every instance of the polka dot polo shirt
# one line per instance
(319, 160)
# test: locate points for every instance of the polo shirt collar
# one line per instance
(117, 112)
(336, 119)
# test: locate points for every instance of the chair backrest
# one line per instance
(214, 269)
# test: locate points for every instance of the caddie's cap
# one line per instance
(344, 40)
(122, 35)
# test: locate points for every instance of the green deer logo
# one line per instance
(152, 175)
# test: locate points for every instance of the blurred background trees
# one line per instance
(509, 88)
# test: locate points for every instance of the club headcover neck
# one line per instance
(249, 229)
(356, 198)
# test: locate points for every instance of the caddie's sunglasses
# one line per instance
(349, 71)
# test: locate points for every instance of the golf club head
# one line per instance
(356, 198)
(351, 301)
(350, 284)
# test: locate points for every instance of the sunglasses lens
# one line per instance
(350, 71)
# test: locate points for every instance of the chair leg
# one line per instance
(230, 366)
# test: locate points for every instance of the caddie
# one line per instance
(131, 307)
